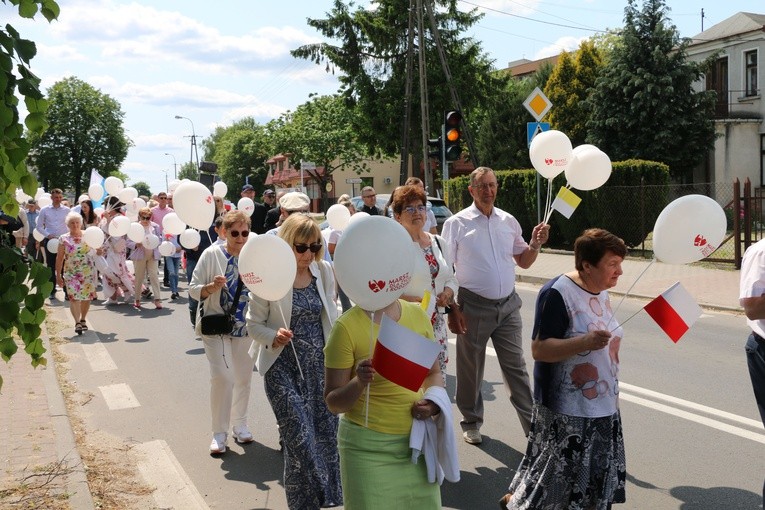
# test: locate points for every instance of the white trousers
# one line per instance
(140, 267)
(230, 380)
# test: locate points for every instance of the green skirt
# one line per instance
(377, 471)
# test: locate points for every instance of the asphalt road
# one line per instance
(693, 436)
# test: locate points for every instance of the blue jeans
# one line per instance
(173, 265)
(193, 303)
(755, 358)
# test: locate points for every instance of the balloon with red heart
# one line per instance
(689, 229)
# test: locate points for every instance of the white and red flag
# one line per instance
(402, 356)
(674, 311)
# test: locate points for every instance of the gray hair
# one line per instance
(73, 216)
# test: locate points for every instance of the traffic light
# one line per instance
(453, 141)
(437, 146)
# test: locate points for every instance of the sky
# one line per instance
(214, 62)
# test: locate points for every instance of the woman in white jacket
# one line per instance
(294, 374)
(214, 284)
(432, 268)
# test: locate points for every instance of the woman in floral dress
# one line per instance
(75, 270)
(117, 280)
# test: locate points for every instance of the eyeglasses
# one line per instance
(490, 185)
(162, 198)
(302, 248)
(411, 209)
(369, 196)
(145, 217)
(235, 234)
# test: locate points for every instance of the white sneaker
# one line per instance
(110, 301)
(472, 436)
(242, 434)
(218, 444)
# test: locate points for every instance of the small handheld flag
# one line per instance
(566, 202)
(402, 356)
(674, 311)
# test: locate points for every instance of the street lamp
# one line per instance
(193, 141)
(167, 186)
(175, 165)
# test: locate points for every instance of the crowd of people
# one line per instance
(317, 367)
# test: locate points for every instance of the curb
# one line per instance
(77, 486)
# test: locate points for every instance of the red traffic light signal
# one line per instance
(453, 141)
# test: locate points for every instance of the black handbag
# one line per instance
(222, 323)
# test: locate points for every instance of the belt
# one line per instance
(472, 296)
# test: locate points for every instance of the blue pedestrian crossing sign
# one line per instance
(534, 128)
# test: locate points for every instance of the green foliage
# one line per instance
(627, 205)
(644, 105)
(142, 188)
(188, 171)
(23, 283)
(85, 132)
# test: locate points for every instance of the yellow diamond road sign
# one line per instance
(537, 104)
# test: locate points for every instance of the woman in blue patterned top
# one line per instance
(214, 284)
(293, 375)
(575, 454)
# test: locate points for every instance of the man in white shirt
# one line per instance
(486, 245)
(51, 223)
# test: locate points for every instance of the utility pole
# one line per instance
(404, 168)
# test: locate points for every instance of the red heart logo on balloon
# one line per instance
(548, 161)
(376, 286)
(699, 241)
(209, 199)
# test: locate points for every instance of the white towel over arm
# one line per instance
(434, 439)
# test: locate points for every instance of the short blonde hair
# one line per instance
(73, 216)
(300, 228)
(231, 218)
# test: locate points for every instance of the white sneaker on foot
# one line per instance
(242, 434)
(218, 444)
(110, 301)
(472, 436)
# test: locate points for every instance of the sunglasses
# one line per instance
(235, 234)
(145, 217)
(302, 248)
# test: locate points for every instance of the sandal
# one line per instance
(78, 328)
(137, 305)
(83, 325)
(158, 305)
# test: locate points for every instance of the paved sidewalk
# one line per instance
(35, 427)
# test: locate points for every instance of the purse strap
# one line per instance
(237, 295)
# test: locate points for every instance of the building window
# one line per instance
(750, 70)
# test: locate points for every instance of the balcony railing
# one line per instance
(739, 104)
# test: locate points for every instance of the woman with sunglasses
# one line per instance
(433, 268)
(294, 374)
(145, 259)
(214, 284)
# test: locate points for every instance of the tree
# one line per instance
(371, 57)
(644, 105)
(571, 83)
(321, 131)
(142, 188)
(188, 171)
(23, 282)
(85, 132)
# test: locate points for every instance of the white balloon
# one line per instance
(338, 216)
(127, 195)
(190, 238)
(151, 241)
(194, 205)
(166, 248)
(52, 245)
(138, 204)
(370, 261)
(98, 211)
(173, 185)
(421, 277)
(172, 224)
(130, 267)
(688, 229)
(136, 232)
(21, 197)
(96, 192)
(40, 192)
(267, 266)
(39, 236)
(550, 153)
(113, 185)
(93, 237)
(360, 215)
(44, 201)
(119, 226)
(583, 147)
(132, 215)
(220, 189)
(589, 169)
(246, 205)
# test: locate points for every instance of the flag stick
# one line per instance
(628, 291)
(625, 321)
(371, 337)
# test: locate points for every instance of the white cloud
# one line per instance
(568, 43)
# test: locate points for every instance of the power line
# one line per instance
(586, 29)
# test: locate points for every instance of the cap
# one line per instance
(248, 187)
(295, 201)
(82, 198)
(269, 192)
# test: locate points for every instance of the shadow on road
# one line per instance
(257, 465)
(701, 498)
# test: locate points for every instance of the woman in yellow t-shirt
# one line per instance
(375, 461)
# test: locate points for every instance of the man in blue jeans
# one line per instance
(752, 299)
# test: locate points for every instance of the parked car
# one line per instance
(437, 205)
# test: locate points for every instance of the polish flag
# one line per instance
(402, 356)
(674, 311)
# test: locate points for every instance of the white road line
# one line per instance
(161, 469)
(119, 396)
(730, 429)
(98, 357)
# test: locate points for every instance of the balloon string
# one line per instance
(625, 321)
(292, 344)
(548, 202)
(628, 291)
(371, 338)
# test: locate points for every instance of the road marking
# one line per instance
(119, 396)
(98, 357)
(160, 468)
